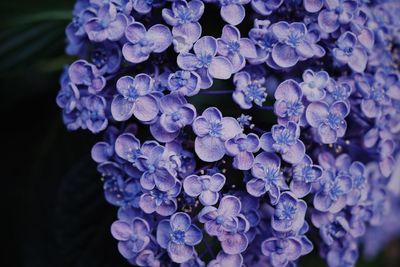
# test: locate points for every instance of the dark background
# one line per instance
(54, 210)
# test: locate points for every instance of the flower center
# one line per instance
(348, 50)
(286, 211)
(204, 60)
(255, 92)
(184, 15)
(133, 154)
(160, 197)
(133, 237)
(267, 42)
(271, 175)
(99, 58)
(132, 94)
(285, 138)
(219, 220)
(339, 93)
(334, 120)
(233, 47)
(178, 237)
(335, 191)
(308, 174)
(94, 115)
(294, 108)
(242, 146)
(215, 129)
(176, 116)
(293, 39)
(205, 184)
(339, 9)
(359, 181)
(312, 84)
(151, 168)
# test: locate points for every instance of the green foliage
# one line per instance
(32, 35)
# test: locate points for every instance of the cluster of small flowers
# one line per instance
(325, 167)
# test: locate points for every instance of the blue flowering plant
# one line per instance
(240, 132)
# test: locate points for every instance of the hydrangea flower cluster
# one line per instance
(310, 164)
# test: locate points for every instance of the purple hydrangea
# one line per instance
(284, 139)
(90, 114)
(328, 120)
(315, 85)
(305, 174)
(349, 52)
(68, 96)
(267, 177)
(212, 131)
(178, 235)
(288, 105)
(184, 82)
(155, 172)
(184, 16)
(281, 251)
(145, 7)
(222, 219)
(162, 202)
(133, 236)
(143, 42)
(135, 98)
(176, 113)
(337, 91)
(205, 62)
(236, 49)
(206, 187)
(106, 57)
(85, 74)
(293, 43)
(265, 41)
(248, 90)
(289, 213)
(333, 190)
(108, 25)
(336, 13)
(241, 148)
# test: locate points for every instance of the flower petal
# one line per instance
(121, 230)
(161, 36)
(193, 236)
(146, 108)
(192, 185)
(220, 68)
(121, 108)
(284, 55)
(205, 45)
(233, 13)
(180, 253)
(316, 113)
(209, 148)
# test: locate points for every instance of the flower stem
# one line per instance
(209, 250)
(258, 130)
(265, 107)
(215, 92)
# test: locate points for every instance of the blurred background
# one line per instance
(55, 211)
